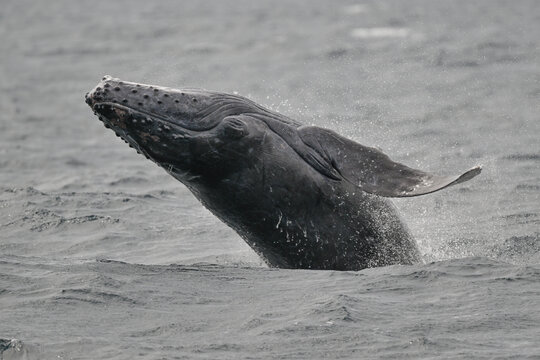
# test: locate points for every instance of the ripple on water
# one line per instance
(523, 157)
(40, 219)
(91, 296)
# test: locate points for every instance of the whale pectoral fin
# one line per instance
(373, 171)
(312, 156)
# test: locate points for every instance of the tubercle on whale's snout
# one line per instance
(148, 135)
(124, 125)
(192, 109)
(113, 90)
(98, 93)
(116, 102)
(157, 101)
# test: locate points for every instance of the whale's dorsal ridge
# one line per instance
(373, 171)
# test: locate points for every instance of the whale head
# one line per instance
(188, 132)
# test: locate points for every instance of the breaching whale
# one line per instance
(300, 196)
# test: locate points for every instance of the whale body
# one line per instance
(300, 196)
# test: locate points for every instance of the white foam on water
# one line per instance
(380, 32)
(355, 9)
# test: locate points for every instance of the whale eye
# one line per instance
(234, 127)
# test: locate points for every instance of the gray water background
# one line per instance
(89, 229)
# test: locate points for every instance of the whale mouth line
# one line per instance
(142, 112)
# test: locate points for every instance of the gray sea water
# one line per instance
(104, 256)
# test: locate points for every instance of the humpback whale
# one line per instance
(301, 196)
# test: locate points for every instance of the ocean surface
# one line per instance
(105, 256)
